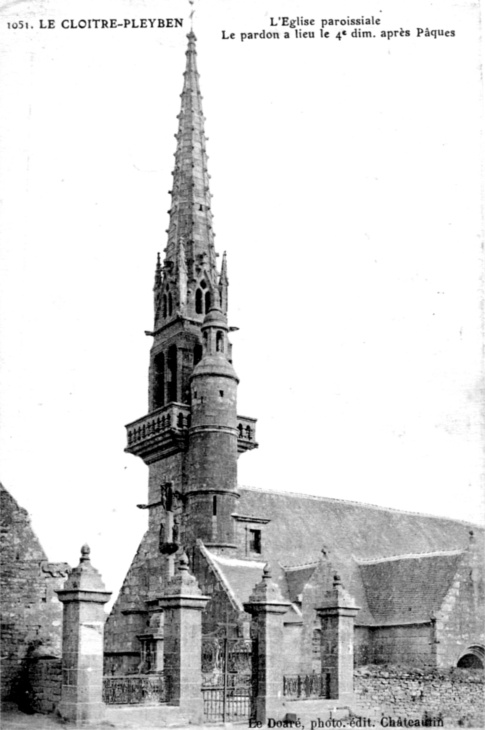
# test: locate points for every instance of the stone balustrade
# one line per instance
(165, 431)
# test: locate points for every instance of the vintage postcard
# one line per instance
(252, 234)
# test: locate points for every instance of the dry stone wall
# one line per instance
(455, 696)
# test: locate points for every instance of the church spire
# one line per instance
(190, 213)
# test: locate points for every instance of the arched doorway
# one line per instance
(472, 658)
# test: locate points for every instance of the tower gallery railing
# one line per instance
(175, 417)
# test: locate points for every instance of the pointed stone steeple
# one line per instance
(190, 212)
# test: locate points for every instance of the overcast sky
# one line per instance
(346, 190)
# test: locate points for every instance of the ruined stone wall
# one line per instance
(31, 614)
(456, 696)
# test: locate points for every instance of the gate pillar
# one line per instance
(182, 603)
(337, 616)
(83, 596)
(266, 606)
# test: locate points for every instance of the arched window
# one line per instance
(172, 373)
(207, 301)
(158, 380)
(164, 306)
(170, 304)
(198, 301)
(220, 341)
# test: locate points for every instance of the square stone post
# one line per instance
(83, 596)
(182, 604)
(267, 607)
(337, 616)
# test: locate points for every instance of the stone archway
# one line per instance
(472, 658)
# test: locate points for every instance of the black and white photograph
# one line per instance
(241, 367)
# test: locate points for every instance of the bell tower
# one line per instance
(191, 437)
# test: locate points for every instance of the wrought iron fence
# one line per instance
(305, 686)
(135, 689)
(226, 677)
(228, 702)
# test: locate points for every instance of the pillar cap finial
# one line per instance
(266, 591)
(85, 553)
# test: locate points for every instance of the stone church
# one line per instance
(414, 581)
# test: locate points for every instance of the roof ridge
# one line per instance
(314, 563)
(409, 556)
(361, 504)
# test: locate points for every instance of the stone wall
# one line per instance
(409, 645)
(44, 677)
(31, 615)
(456, 695)
(459, 623)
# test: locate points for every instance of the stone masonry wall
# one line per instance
(31, 614)
(409, 645)
(456, 696)
(459, 623)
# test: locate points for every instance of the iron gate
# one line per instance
(227, 679)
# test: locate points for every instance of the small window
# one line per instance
(197, 354)
(198, 301)
(170, 304)
(255, 541)
(164, 306)
(221, 393)
(219, 341)
(214, 506)
(207, 301)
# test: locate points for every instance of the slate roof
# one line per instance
(302, 524)
(408, 589)
(239, 576)
(297, 578)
